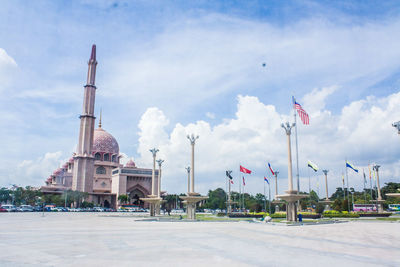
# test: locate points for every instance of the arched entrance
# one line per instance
(134, 197)
(106, 204)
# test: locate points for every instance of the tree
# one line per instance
(123, 198)
(216, 199)
(5, 195)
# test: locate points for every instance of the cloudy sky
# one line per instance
(169, 68)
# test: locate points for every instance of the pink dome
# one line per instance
(104, 142)
(71, 160)
(130, 164)
(57, 172)
(65, 165)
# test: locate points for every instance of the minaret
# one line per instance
(83, 160)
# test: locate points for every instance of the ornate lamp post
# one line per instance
(192, 140)
(153, 199)
(192, 197)
(397, 126)
(326, 201)
(291, 196)
(379, 200)
(160, 161)
(153, 173)
(276, 201)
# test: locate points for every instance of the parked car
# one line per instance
(38, 208)
(25, 208)
(9, 208)
(2, 209)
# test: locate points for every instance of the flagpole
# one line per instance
(347, 181)
(269, 198)
(365, 192)
(226, 198)
(229, 209)
(265, 199)
(344, 192)
(297, 153)
(240, 195)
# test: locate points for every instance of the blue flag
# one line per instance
(348, 165)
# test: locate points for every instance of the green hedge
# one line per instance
(338, 214)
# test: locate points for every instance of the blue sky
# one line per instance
(197, 66)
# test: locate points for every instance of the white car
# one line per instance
(9, 208)
(25, 208)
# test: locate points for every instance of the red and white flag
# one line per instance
(244, 170)
(302, 113)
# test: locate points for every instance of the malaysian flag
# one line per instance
(302, 113)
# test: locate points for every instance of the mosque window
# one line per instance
(101, 170)
(97, 156)
(114, 158)
(106, 157)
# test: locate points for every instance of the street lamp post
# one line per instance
(160, 162)
(326, 182)
(157, 205)
(192, 197)
(288, 130)
(276, 183)
(192, 140)
(154, 152)
(379, 200)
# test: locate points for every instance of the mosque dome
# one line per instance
(57, 172)
(104, 142)
(130, 164)
(71, 160)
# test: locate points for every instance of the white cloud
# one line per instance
(210, 115)
(34, 172)
(199, 59)
(6, 60)
(254, 137)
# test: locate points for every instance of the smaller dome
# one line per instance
(57, 172)
(130, 164)
(65, 166)
(71, 160)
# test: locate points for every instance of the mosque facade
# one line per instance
(95, 167)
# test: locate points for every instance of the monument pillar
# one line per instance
(379, 201)
(158, 205)
(192, 197)
(153, 199)
(291, 196)
(327, 202)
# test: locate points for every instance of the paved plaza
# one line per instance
(94, 239)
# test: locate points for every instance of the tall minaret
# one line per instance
(83, 160)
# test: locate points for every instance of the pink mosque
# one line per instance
(95, 167)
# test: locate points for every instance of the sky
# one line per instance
(171, 68)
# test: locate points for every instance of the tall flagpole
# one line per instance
(365, 189)
(269, 197)
(347, 181)
(265, 199)
(297, 153)
(240, 195)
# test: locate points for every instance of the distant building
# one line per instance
(95, 167)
